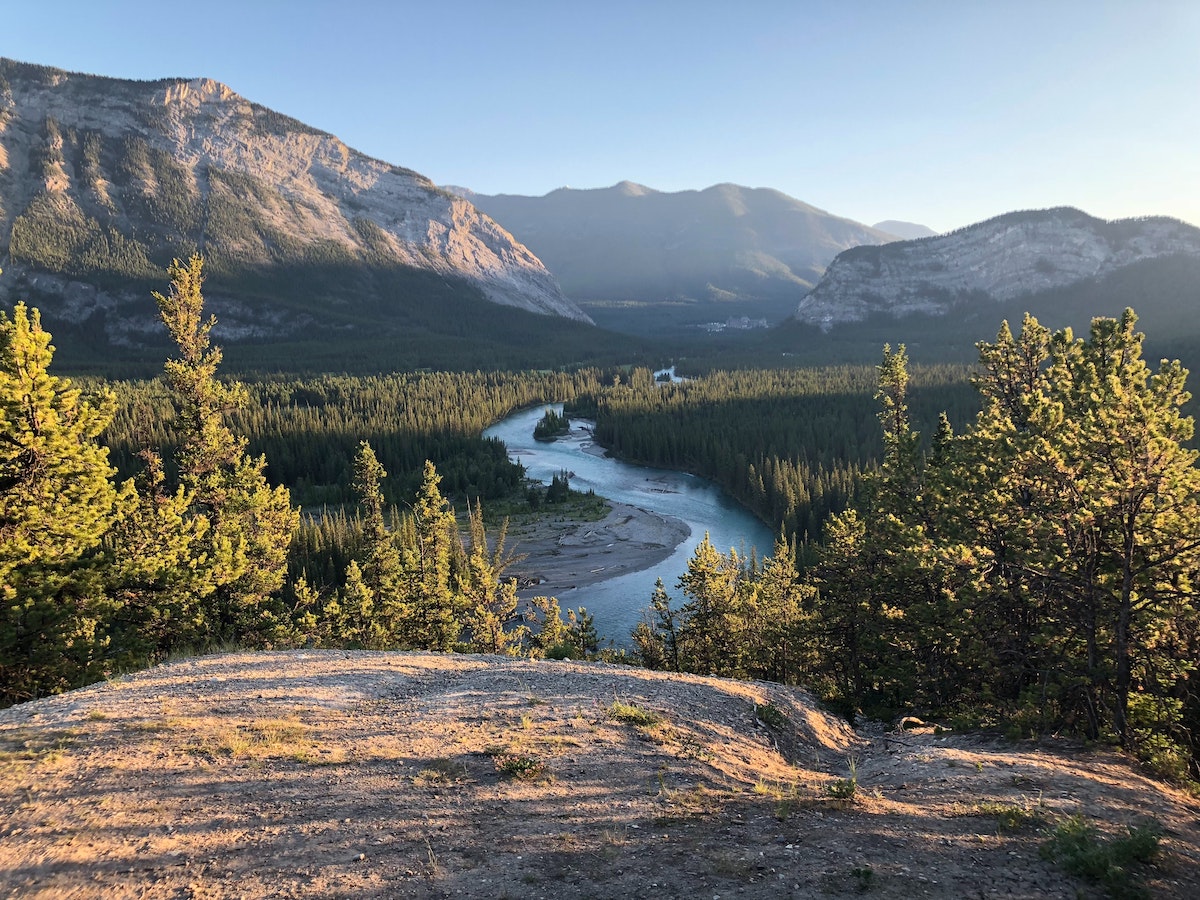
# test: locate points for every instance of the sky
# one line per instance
(943, 112)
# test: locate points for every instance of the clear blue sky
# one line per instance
(942, 113)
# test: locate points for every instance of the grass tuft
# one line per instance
(632, 715)
(1115, 864)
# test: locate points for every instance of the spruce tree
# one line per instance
(437, 612)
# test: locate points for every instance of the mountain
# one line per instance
(104, 181)
(905, 231)
(685, 256)
(1054, 262)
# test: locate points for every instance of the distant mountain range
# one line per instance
(1061, 264)
(685, 256)
(337, 260)
(104, 181)
(905, 231)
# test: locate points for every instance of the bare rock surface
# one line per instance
(356, 774)
(181, 163)
(1016, 254)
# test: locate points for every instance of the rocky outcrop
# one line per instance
(1021, 253)
(103, 181)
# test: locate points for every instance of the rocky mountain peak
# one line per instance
(103, 181)
(1003, 258)
(196, 92)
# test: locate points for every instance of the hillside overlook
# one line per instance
(727, 248)
(104, 181)
(1017, 256)
(333, 773)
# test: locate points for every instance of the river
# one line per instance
(618, 603)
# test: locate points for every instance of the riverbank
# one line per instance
(563, 555)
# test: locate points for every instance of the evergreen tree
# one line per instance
(1070, 513)
(490, 600)
(548, 633)
(656, 638)
(158, 574)
(780, 626)
(57, 501)
(436, 621)
(381, 573)
(705, 637)
(582, 634)
(250, 524)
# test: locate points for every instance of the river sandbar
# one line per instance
(563, 554)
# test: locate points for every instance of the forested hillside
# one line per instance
(790, 444)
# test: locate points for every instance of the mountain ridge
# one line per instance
(103, 181)
(1016, 254)
(730, 248)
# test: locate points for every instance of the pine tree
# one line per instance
(490, 600)
(656, 638)
(158, 574)
(250, 524)
(436, 621)
(548, 633)
(782, 628)
(1114, 444)
(381, 571)
(1075, 502)
(57, 501)
(710, 584)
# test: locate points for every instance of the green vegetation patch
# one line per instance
(1010, 816)
(519, 766)
(771, 716)
(631, 714)
(1116, 864)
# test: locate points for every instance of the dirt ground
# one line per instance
(353, 774)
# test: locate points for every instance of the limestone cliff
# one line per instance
(1018, 254)
(104, 181)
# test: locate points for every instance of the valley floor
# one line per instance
(323, 774)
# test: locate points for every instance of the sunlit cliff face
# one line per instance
(102, 179)
(1003, 258)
